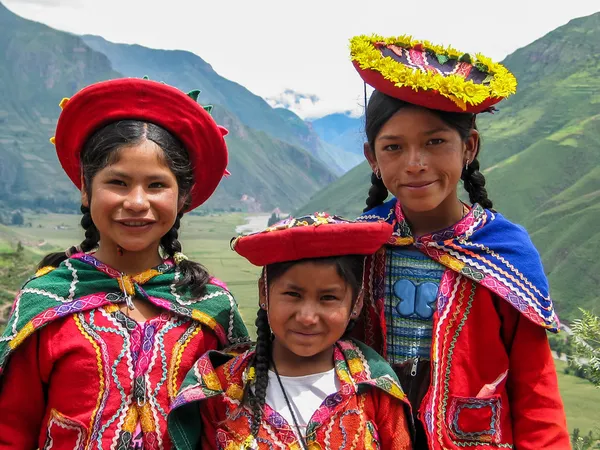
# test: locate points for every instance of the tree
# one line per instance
(273, 219)
(17, 218)
(586, 346)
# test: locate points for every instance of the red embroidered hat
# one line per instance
(316, 236)
(429, 75)
(140, 99)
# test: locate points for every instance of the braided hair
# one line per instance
(382, 107)
(350, 269)
(92, 237)
(102, 149)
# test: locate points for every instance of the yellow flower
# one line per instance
(455, 87)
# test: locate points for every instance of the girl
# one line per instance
(303, 385)
(457, 301)
(98, 344)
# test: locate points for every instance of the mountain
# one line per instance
(40, 65)
(344, 133)
(188, 71)
(541, 152)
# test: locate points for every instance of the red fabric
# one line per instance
(370, 420)
(301, 242)
(52, 384)
(428, 99)
(477, 337)
(130, 98)
(537, 412)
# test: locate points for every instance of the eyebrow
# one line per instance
(329, 289)
(120, 174)
(393, 137)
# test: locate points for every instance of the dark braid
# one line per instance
(192, 273)
(377, 193)
(474, 183)
(92, 237)
(262, 360)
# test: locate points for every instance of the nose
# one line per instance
(137, 200)
(415, 161)
(307, 315)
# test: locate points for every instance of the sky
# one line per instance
(296, 53)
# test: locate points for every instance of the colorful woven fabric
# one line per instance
(493, 382)
(89, 373)
(368, 412)
(486, 248)
(411, 284)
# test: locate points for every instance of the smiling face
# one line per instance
(133, 200)
(421, 158)
(309, 306)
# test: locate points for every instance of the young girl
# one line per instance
(457, 301)
(98, 344)
(303, 385)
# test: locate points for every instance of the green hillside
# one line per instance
(39, 66)
(541, 154)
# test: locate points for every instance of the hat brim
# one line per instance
(309, 242)
(137, 99)
(430, 99)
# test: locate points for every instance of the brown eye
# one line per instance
(436, 141)
(391, 148)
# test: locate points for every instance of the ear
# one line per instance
(262, 294)
(85, 201)
(181, 202)
(370, 156)
(472, 146)
(358, 305)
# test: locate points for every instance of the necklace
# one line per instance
(289, 405)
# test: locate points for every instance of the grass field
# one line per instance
(206, 240)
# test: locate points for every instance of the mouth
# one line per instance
(306, 334)
(418, 184)
(135, 223)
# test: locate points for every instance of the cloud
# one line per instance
(291, 99)
(52, 3)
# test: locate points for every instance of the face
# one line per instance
(309, 308)
(420, 158)
(134, 201)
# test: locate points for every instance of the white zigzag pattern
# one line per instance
(74, 281)
(18, 302)
(174, 290)
(441, 320)
(128, 399)
(513, 268)
(494, 275)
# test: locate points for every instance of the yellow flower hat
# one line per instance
(429, 75)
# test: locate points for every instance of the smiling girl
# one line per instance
(304, 385)
(99, 341)
(457, 301)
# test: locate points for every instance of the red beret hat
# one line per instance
(140, 99)
(316, 236)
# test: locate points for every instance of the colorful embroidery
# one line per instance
(506, 266)
(339, 423)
